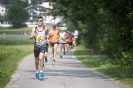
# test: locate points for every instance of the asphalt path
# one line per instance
(66, 72)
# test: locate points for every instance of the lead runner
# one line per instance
(40, 45)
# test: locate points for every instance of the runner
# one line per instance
(62, 41)
(76, 34)
(67, 41)
(40, 45)
(53, 39)
(71, 41)
(46, 50)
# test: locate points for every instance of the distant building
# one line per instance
(3, 12)
(3, 9)
(41, 9)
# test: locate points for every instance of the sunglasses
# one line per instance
(39, 20)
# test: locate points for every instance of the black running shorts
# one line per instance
(52, 43)
(70, 43)
(37, 50)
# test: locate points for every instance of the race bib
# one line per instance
(54, 37)
(62, 38)
(67, 40)
(39, 39)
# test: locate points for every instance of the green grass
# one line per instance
(16, 41)
(8, 30)
(11, 53)
(104, 65)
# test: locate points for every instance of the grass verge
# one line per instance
(103, 64)
(11, 52)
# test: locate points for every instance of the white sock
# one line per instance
(37, 71)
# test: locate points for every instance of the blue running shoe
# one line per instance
(43, 67)
(41, 75)
(46, 60)
(37, 75)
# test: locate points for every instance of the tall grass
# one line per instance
(103, 64)
(11, 52)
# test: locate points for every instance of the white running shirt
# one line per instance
(62, 37)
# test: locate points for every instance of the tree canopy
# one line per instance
(105, 26)
(17, 15)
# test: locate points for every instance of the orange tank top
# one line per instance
(54, 37)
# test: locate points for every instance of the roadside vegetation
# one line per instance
(7, 30)
(106, 28)
(102, 63)
(12, 51)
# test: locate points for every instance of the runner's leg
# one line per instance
(61, 46)
(41, 58)
(46, 57)
(37, 64)
(52, 46)
(55, 49)
(64, 45)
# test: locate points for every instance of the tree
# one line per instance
(5, 1)
(103, 25)
(34, 2)
(17, 16)
(19, 3)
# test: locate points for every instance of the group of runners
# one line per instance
(44, 38)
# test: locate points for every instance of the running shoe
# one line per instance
(64, 52)
(54, 59)
(37, 76)
(46, 60)
(41, 75)
(43, 67)
(60, 56)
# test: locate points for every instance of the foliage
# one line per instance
(104, 65)
(9, 57)
(16, 13)
(19, 3)
(104, 25)
(6, 1)
(34, 2)
(17, 16)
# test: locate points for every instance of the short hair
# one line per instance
(39, 17)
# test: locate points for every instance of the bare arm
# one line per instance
(47, 34)
(32, 35)
(58, 35)
(50, 34)
(46, 30)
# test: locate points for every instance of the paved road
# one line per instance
(67, 73)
